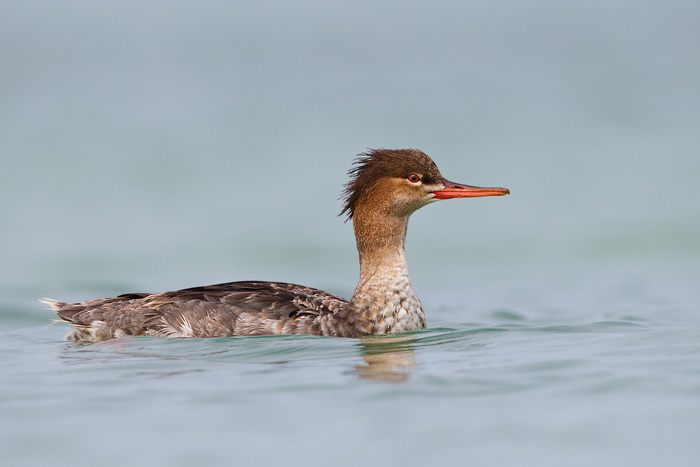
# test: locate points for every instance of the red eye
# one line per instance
(413, 178)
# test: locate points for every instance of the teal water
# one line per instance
(154, 146)
(507, 386)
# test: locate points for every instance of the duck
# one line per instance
(386, 186)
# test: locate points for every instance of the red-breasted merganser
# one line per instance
(385, 188)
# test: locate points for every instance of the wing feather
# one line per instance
(228, 309)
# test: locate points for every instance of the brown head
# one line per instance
(396, 182)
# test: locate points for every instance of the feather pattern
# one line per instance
(230, 309)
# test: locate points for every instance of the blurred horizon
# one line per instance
(169, 144)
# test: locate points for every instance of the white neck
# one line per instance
(384, 300)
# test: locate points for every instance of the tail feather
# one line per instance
(95, 320)
(66, 311)
(55, 305)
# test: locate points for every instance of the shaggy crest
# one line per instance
(379, 163)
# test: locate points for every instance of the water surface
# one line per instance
(156, 146)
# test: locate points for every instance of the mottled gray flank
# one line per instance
(236, 308)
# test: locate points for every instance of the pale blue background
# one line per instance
(155, 145)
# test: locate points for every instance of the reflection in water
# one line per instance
(387, 358)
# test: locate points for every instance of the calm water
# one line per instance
(148, 147)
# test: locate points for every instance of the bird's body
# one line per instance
(386, 187)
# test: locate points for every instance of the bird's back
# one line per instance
(231, 309)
